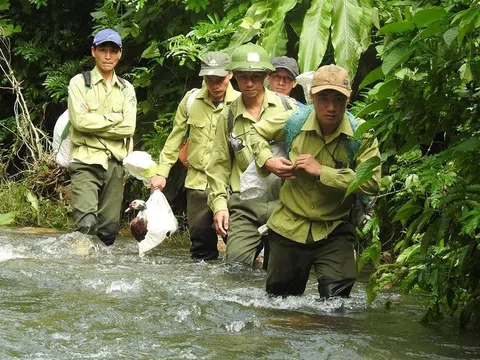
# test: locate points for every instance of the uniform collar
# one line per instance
(96, 77)
(230, 95)
(270, 99)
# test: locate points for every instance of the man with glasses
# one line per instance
(282, 80)
(232, 154)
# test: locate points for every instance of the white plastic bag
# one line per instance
(61, 149)
(254, 186)
(161, 222)
(140, 165)
(305, 80)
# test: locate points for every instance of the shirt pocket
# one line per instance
(93, 106)
(197, 127)
(117, 107)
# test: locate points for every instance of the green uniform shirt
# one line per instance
(308, 202)
(202, 121)
(222, 171)
(102, 117)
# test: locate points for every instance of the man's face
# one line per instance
(281, 81)
(330, 106)
(217, 85)
(106, 56)
(250, 83)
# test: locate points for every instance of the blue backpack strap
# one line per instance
(294, 125)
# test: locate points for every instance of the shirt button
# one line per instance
(312, 207)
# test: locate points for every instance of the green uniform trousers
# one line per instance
(333, 258)
(203, 237)
(97, 198)
(244, 242)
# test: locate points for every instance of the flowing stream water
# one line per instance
(57, 303)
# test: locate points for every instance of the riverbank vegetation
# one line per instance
(416, 67)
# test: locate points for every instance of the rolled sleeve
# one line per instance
(171, 149)
(219, 167)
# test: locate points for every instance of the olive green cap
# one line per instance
(250, 57)
(214, 63)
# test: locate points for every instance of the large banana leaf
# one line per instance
(366, 23)
(315, 34)
(274, 39)
(346, 19)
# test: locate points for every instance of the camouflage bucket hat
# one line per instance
(250, 57)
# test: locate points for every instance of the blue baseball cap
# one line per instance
(107, 35)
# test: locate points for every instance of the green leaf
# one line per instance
(385, 91)
(4, 4)
(397, 27)
(430, 31)
(7, 219)
(372, 76)
(152, 51)
(408, 253)
(395, 58)
(470, 145)
(376, 106)
(274, 39)
(366, 22)
(346, 27)
(450, 36)
(315, 34)
(363, 173)
(427, 16)
(247, 30)
(406, 211)
(466, 72)
(97, 15)
(371, 253)
(366, 126)
(33, 200)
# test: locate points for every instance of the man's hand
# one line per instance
(307, 163)
(158, 182)
(281, 167)
(220, 220)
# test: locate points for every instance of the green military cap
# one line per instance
(214, 63)
(250, 57)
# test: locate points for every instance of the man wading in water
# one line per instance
(311, 224)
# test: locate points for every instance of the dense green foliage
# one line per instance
(421, 102)
(424, 107)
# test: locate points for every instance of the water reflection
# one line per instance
(58, 302)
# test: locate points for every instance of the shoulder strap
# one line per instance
(191, 99)
(351, 144)
(87, 77)
(231, 119)
(284, 101)
(65, 131)
(294, 125)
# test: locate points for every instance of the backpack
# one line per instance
(61, 140)
(182, 155)
(363, 206)
(253, 185)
